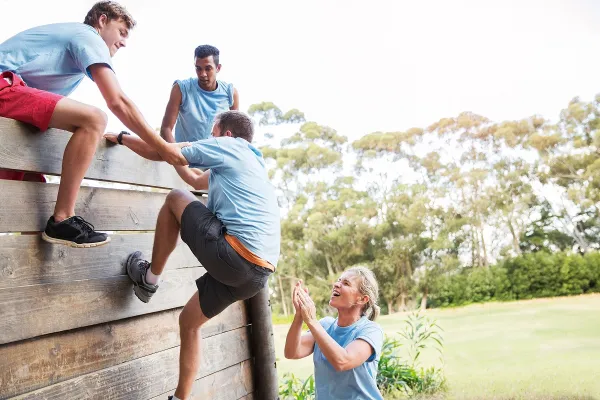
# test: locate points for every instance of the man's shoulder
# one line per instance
(187, 82)
(59, 31)
(226, 86)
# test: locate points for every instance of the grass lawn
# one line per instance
(536, 349)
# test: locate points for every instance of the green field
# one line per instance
(537, 349)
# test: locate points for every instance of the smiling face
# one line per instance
(113, 32)
(345, 293)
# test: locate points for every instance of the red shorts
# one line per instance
(23, 103)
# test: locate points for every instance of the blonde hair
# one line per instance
(368, 286)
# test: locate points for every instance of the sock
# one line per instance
(174, 397)
(153, 280)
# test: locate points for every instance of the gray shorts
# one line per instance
(229, 277)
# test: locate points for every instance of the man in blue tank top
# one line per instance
(192, 107)
(195, 101)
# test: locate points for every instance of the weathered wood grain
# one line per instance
(31, 364)
(24, 148)
(36, 310)
(152, 375)
(29, 260)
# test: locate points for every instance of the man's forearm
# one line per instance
(132, 118)
(194, 177)
(137, 145)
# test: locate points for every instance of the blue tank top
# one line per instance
(199, 108)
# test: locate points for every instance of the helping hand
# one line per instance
(171, 153)
(111, 137)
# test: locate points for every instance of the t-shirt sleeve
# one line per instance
(373, 335)
(88, 49)
(206, 153)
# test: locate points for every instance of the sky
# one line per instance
(358, 68)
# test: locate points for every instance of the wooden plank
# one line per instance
(28, 260)
(26, 207)
(152, 375)
(24, 148)
(36, 310)
(32, 364)
(230, 383)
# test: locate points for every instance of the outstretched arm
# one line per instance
(124, 109)
(137, 145)
(194, 177)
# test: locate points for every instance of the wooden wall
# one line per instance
(70, 324)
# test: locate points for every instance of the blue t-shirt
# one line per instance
(54, 57)
(359, 383)
(199, 108)
(239, 192)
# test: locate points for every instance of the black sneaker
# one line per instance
(137, 269)
(73, 232)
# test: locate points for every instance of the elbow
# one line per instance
(290, 354)
(341, 365)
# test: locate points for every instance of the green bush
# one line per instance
(293, 388)
(528, 276)
(397, 378)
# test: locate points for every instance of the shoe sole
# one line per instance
(136, 288)
(50, 239)
(141, 294)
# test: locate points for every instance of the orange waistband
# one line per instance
(247, 254)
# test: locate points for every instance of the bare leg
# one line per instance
(87, 124)
(190, 321)
(167, 227)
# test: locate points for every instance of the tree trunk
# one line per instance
(485, 258)
(329, 266)
(283, 296)
(390, 307)
(474, 260)
(515, 239)
(401, 303)
(424, 300)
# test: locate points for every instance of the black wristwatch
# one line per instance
(120, 136)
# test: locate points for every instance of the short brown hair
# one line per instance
(239, 124)
(113, 10)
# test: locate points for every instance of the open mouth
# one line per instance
(335, 293)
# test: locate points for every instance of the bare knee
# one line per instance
(96, 121)
(177, 200)
(189, 325)
(176, 195)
